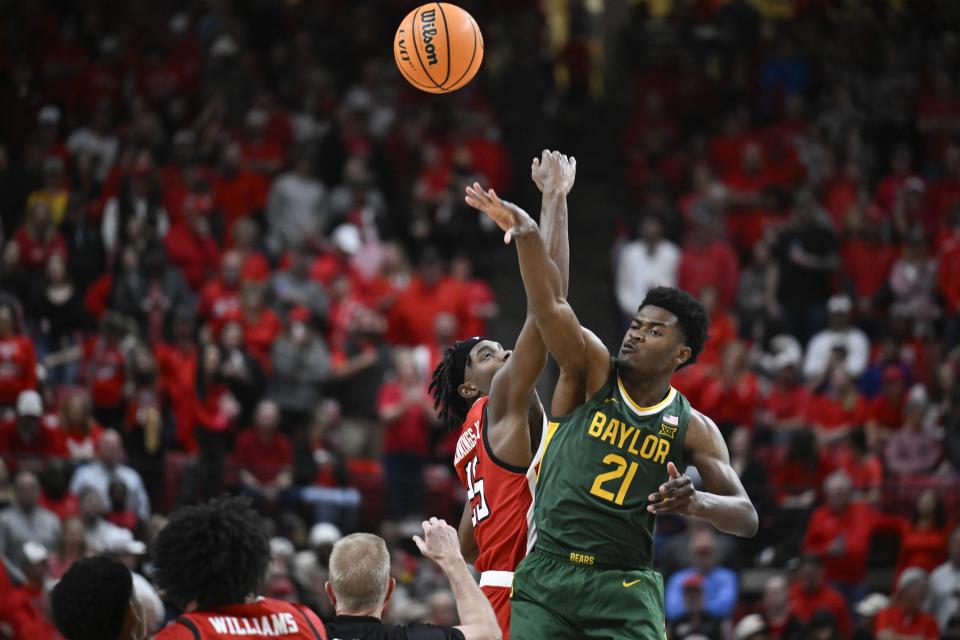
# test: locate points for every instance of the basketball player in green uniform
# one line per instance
(613, 462)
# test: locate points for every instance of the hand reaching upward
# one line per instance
(513, 220)
(554, 172)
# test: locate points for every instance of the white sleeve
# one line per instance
(108, 229)
(818, 354)
(858, 353)
(626, 281)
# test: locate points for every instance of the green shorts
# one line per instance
(556, 598)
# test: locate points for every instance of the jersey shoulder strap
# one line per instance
(188, 623)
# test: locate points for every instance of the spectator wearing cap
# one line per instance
(783, 406)
(914, 449)
(905, 619)
(840, 532)
(642, 264)
(311, 567)
(18, 360)
(29, 598)
(296, 207)
(810, 594)
(866, 614)
(806, 251)
(943, 600)
(108, 466)
(719, 584)
(346, 242)
(695, 622)
(300, 364)
(839, 344)
(190, 243)
(26, 520)
(294, 287)
(121, 545)
(265, 458)
(26, 442)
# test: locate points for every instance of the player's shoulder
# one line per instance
(175, 631)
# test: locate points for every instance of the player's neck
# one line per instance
(646, 392)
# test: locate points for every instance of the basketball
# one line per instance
(438, 47)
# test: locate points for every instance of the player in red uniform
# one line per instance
(489, 393)
(211, 560)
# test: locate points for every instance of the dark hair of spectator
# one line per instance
(451, 406)
(91, 600)
(802, 448)
(213, 554)
(692, 318)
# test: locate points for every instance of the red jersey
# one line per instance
(501, 503)
(265, 618)
(18, 368)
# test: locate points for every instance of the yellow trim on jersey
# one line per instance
(547, 437)
(646, 411)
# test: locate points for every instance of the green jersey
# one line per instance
(599, 465)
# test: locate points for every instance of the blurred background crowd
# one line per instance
(234, 247)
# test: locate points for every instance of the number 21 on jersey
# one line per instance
(479, 511)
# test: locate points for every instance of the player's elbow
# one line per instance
(752, 522)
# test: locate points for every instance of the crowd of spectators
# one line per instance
(234, 248)
(801, 176)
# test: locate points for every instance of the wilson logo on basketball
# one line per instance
(429, 30)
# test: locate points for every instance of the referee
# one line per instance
(360, 587)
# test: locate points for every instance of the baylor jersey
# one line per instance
(599, 464)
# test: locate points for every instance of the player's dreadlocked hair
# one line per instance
(215, 554)
(692, 318)
(452, 408)
(91, 600)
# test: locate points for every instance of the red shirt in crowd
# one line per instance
(239, 195)
(255, 267)
(176, 378)
(867, 264)
(886, 412)
(852, 529)
(916, 625)
(18, 368)
(716, 266)
(924, 548)
(731, 403)
(218, 300)
(45, 442)
(34, 255)
(787, 403)
(829, 413)
(413, 314)
(792, 478)
(478, 295)
(265, 460)
(949, 278)
(197, 256)
(259, 332)
(804, 603)
(82, 445)
(104, 371)
(865, 474)
(407, 433)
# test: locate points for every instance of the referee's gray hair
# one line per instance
(360, 573)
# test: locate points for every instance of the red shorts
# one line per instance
(499, 598)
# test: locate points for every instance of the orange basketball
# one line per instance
(438, 47)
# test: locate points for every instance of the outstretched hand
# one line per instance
(439, 542)
(554, 172)
(677, 495)
(513, 220)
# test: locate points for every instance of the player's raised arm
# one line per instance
(725, 503)
(558, 324)
(510, 395)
